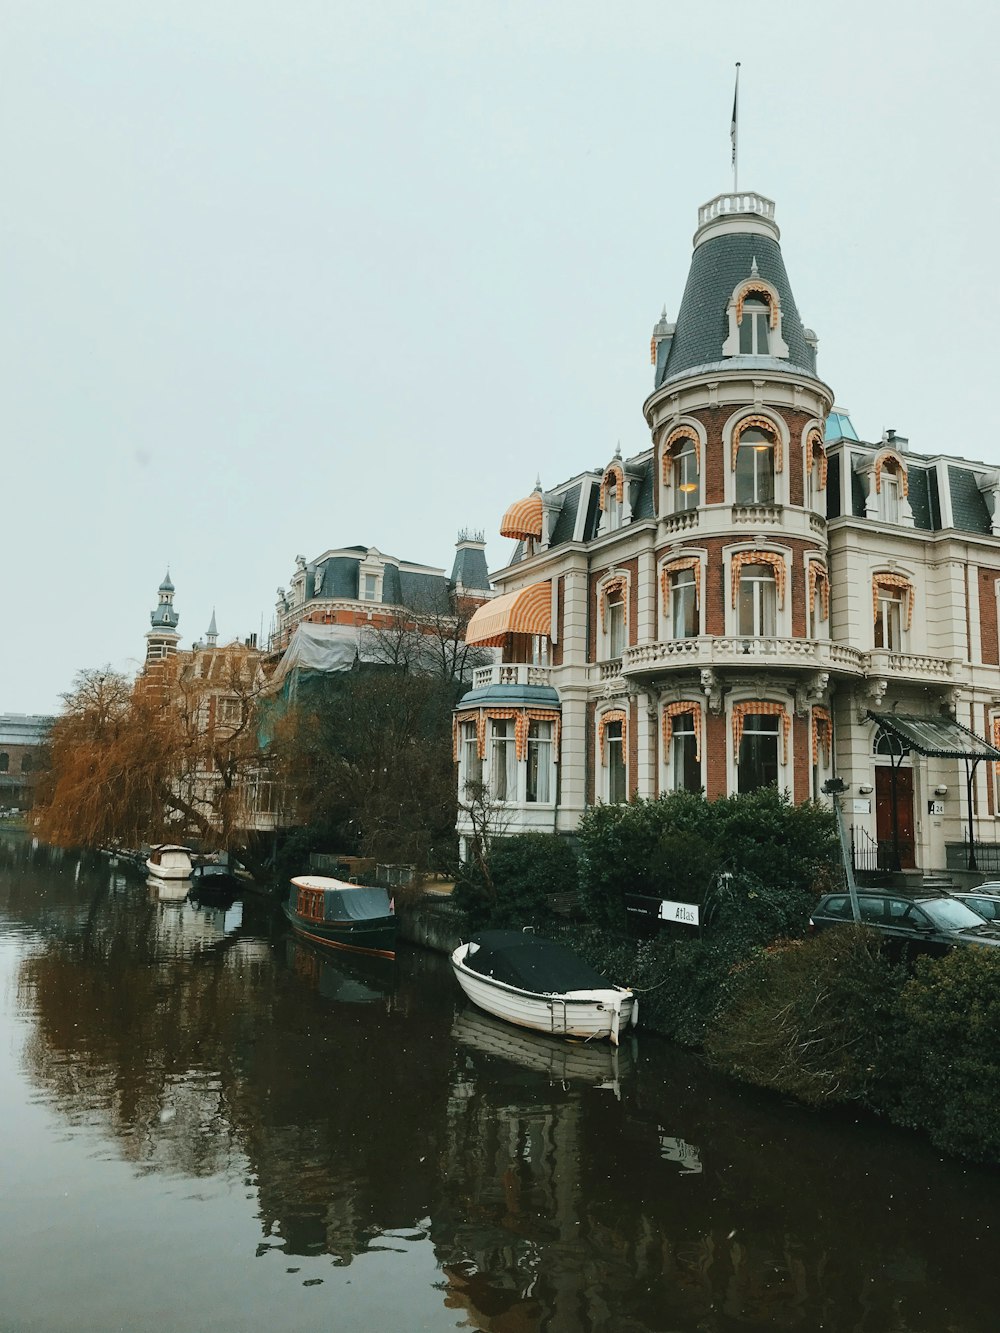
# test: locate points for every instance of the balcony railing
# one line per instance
(686, 518)
(511, 673)
(737, 650)
(917, 666)
(743, 201)
(747, 513)
(815, 654)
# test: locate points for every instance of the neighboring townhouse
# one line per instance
(22, 743)
(215, 689)
(356, 602)
(759, 597)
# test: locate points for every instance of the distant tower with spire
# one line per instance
(162, 638)
(212, 633)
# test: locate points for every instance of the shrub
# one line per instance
(526, 871)
(809, 1017)
(677, 845)
(944, 1071)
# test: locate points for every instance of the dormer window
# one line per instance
(754, 328)
(613, 498)
(755, 468)
(889, 498)
(371, 587)
(754, 315)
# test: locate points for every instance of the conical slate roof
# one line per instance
(719, 264)
(166, 585)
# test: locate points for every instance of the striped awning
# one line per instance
(523, 518)
(527, 611)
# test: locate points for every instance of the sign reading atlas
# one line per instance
(684, 914)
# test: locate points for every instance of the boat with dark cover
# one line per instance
(540, 984)
(356, 917)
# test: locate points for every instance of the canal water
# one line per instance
(209, 1126)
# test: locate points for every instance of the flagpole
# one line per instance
(734, 133)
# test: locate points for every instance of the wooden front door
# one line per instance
(904, 814)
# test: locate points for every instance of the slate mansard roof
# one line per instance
(718, 266)
(967, 482)
(336, 576)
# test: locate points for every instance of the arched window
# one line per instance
(26, 763)
(755, 468)
(757, 602)
(892, 607)
(612, 728)
(614, 616)
(612, 497)
(4, 762)
(757, 730)
(754, 339)
(684, 476)
(682, 746)
(819, 598)
(889, 745)
(684, 603)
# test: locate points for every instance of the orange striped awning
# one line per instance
(523, 518)
(527, 611)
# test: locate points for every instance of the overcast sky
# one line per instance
(280, 277)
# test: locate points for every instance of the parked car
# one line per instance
(985, 900)
(930, 922)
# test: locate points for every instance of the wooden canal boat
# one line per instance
(355, 917)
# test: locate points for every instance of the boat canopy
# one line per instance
(531, 963)
(346, 902)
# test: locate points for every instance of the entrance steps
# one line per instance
(943, 882)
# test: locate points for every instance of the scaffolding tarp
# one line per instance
(320, 648)
(937, 737)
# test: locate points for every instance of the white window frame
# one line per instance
(684, 473)
(689, 587)
(778, 733)
(468, 755)
(756, 319)
(764, 600)
(818, 624)
(543, 747)
(682, 726)
(754, 442)
(889, 497)
(618, 742)
(891, 619)
(605, 627)
(504, 744)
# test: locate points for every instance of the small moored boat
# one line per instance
(540, 984)
(342, 916)
(169, 861)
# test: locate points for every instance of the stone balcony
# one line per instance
(648, 660)
(511, 673)
(653, 658)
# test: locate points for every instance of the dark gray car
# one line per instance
(909, 922)
(984, 900)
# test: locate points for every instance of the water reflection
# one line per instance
(360, 1109)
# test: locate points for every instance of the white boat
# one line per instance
(168, 861)
(539, 984)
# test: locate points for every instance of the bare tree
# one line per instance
(428, 635)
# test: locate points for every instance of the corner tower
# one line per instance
(737, 417)
(162, 638)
